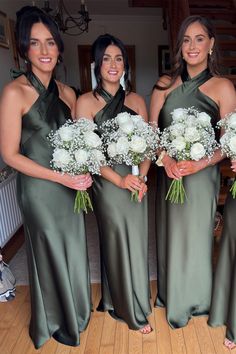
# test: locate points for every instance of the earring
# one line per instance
(26, 61)
(210, 51)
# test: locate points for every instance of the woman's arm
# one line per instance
(11, 111)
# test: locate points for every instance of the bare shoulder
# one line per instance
(134, 98)
(14, 89)
(222, 85)
(87, 105)
(163, 81)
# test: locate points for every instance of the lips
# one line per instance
(113, 72)
(193, 55)
(45, 60)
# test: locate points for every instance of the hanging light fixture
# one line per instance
(68, 24)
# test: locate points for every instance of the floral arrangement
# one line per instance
(77, 150)
(129, 139)
(189, 137)
(228, 141)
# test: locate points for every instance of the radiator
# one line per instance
(10, 215)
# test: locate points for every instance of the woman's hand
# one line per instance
(190, 167)
(131, 182)
(79, 182)
(142, 191)
(171, 167)
(233, 165)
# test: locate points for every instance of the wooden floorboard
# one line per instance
(104, 335)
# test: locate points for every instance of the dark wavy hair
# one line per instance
(27, 16)
(179, 64)
(98, 50)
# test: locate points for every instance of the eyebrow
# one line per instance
(109, 55)
(37, 39)
(197, 35)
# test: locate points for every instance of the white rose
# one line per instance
(81, 156)
(177, 129)
(138, 144)
(178, 114)
(179, 143)
(61, 158)
(92, 139)
(66, 133)
(122, 145)
(197, 151)
(204, 119)
(232, 144)
(191, 134)
(127, 128)
(111, 150)
(98, 155)
(191, 121)
(123, 118)
(232, 121)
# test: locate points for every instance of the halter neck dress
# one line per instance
(54, 235)
(123, 237)
(223, 305)
(185, 231)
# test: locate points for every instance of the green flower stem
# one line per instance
(134, 196)
(82, 202)
(176, 193)
(233, 190)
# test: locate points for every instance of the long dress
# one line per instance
(55, 236)
(123, 237)
(185, 231)
(223, 305)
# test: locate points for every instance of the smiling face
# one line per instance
(112, 67)
(196, 46)
(43, 51)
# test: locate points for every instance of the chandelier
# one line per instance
(68, 24)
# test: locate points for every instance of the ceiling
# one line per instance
(96, 7)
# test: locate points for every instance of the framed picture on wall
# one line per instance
(13, 43)
(164, 61)
(4, 32)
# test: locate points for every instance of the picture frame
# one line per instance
(4, 31)
(164, 60)
(13, 43)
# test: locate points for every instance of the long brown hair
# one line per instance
(179, 64)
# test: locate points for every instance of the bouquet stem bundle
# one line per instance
(134, 195)
(233, 190)
(176, 193)
(82, 202)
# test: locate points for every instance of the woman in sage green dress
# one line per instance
(31, 107)
(122, 224)
(223, 304)
(185, 231)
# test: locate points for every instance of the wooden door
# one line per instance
(85, 60)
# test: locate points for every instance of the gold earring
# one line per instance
(210, 51)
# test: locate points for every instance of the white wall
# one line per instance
(145, 33)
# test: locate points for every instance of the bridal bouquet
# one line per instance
(129, 139)
(228, 141)
(77, 150)
(189, 137)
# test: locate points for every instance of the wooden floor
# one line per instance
(104, 335)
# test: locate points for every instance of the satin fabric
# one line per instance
(55, 236)
(223, 305)
(123, 237)
(185, 232)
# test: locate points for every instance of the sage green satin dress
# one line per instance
(54, 235)
(223, 305)
(185, 232)
(123, 234)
